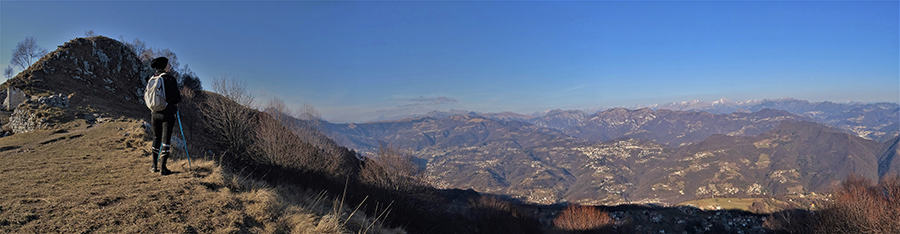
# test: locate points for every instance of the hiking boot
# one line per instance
(164, 156)
(162, 166)
(153, 154)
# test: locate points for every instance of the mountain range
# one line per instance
(644, 155)
(876, 121)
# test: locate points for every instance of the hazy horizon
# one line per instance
(593, 110)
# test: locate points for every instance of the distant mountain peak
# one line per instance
(722, 101)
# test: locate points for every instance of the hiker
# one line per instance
(164, 120)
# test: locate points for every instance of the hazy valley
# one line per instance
(785, 146)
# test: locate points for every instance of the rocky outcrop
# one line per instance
(38, 113)
(99, 75)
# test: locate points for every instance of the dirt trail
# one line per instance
(95, 178)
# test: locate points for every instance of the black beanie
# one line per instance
(159, 63)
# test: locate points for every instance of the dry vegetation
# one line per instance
(393, 170)
(281, 149)
(582, 218)
(92, 178)
(859, 206)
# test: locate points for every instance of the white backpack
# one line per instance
(155, 93)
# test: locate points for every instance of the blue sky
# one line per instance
(356, 61)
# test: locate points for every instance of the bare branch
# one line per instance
(234, 90)
(8, 72)
(26, 53)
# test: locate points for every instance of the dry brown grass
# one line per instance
(93, 178)
(582, 218)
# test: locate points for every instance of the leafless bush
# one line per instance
(279, 145)
(582, 218)
(234, 90)
(310, 127)
(229, 119)
(392, 170)
(859, 206)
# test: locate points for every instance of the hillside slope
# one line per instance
(543, 165)
(889, 161)
(83, 178)
(792, 158)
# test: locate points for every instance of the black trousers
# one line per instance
(163, 123)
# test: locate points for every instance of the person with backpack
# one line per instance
(161, 96)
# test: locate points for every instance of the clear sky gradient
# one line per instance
(356, 61)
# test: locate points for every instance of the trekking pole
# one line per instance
(178, 115)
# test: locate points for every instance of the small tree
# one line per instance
(8, 72)
(189, 79)
(26, 52)
(89, 33)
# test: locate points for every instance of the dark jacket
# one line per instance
(173, 95)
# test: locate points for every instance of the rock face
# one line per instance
(97, 74)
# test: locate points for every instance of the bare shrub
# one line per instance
(859, 206)
(392, 170)
(280, 146)
(228, 119)
(310, 127)
(233, 90)
(891, 186)
(582, 218)
(863, 207)
(280, 141)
